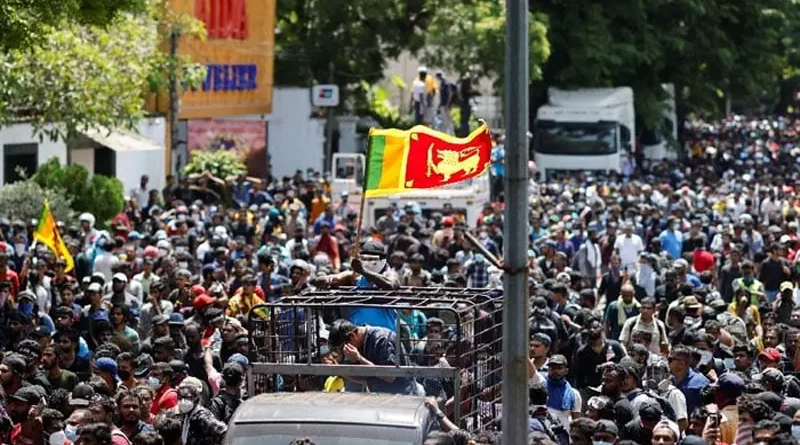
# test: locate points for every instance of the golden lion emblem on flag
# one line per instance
(452, 162)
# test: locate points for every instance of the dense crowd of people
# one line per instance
(665, 302)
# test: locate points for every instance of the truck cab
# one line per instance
(331, 419)
(586, 129)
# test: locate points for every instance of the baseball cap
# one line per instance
(558, 359)
(542, 338)
(81, 395)
(106, 364)
(203, 301)
(120, 277)
(16, 363)
(240, 359)
(26, 295)
(27, 394)
(143, 364)
(94, 287)
(606, 426)
(650, 410)
(134, 236)
(770, 354)
(198, 290)
(786, 285)
(630, 367)
(773, 377)
(160, 319)
(176, 319)
(731, 384)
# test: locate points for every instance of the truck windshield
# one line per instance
(576, 138)
(321, 434)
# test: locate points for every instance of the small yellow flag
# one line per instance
(47, 234)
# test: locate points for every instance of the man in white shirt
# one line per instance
(141, 194)
(418, 103)
(628, 245)
(563, 401)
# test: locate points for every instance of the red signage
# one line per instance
(224, 19)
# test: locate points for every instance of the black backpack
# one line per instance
(552, 427)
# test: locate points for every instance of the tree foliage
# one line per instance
(24, 200)
(356, 36)
(99, 195)
(80, 76)
(709, 49)
(220, 163)
(24, 22)
(471, 36)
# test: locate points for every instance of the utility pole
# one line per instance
(515, 232)
(330, 115)
(174, 100)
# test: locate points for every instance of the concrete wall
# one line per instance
(296, 141)
(23, 134)
(131, 165)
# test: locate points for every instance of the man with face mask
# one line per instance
(658, 381)
(160, 381)
(370, 271)
(200, 427)
(672, 238)
(563, 401)
(749, 282)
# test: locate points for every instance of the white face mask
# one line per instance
(374, 264)
(185, 406)
(71, 433)
(19, 248)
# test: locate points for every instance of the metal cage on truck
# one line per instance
(462, 365)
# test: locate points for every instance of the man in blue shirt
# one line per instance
(686, 379)
(370, 271)
(672, 238)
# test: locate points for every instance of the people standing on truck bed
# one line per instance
(666, 328)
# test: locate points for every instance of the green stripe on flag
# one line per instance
(375, 161)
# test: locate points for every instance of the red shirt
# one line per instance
(703, 260)
(165, 398)
(11, 276)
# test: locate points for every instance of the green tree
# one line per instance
(80, 76)
(221, 164)
(24, 200)
(710, 49)
(24, 22)
(99, 195)
(355, 36)
(471, 36)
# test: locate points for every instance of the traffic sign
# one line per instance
(325, 95)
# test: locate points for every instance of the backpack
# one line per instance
(550, 426)
(666, 407)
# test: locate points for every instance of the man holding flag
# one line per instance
(47, 234)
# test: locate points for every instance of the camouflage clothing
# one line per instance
(204, 428)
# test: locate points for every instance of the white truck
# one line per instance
(594, 129)
(586, 129)
(466, 198)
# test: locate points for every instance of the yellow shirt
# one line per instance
(239, 305)
(430, 85)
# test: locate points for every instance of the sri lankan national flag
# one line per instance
(47, 234)
(421, 158)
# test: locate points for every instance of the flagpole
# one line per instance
(357, 247)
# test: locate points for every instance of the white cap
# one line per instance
(94, 287)
(422, 69)
(120, 277)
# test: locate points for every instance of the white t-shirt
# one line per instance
(418, 91)
(629, 248)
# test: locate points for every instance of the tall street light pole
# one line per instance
(515, 231)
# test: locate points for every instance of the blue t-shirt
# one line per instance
(498, 157)
(372, 316)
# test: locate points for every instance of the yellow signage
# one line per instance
(238, 54)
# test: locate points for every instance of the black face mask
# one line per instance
(298, 238)
(124, 374)
(17, 417)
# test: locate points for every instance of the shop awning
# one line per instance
(122, 140)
